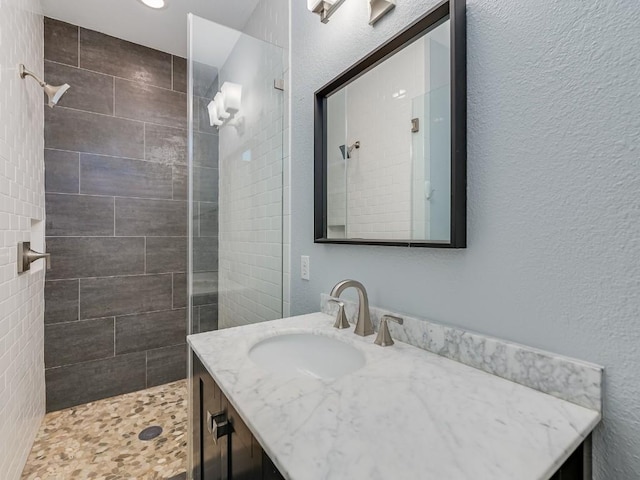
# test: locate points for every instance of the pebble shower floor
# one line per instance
(99, 440)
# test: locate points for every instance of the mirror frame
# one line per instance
(456, 10)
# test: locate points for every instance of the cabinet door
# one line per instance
(578, 465)
(212, 450)
(195, 393)
(269, 470)
(236, 456)
(245, 453)
(207, 454)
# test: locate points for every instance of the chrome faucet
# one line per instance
(364, 326)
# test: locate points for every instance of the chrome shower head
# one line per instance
(346, 152)
(54, 93)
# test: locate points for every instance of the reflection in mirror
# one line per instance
(388, 152)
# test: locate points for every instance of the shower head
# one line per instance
(346, 152)
(54, 93)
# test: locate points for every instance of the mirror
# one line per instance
(390, 141)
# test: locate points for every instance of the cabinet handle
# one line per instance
(218, 425)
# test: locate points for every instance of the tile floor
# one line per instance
(99, 440)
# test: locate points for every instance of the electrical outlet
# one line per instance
(305, 268)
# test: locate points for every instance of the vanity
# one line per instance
(299, 399)
(359, 393)
(222, 445)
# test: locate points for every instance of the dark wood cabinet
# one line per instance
(578, 465)
(223, 447)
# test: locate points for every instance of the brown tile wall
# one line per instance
(116, 183)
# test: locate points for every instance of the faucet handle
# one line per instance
(384, 336)
(341, 317)
(26, 257)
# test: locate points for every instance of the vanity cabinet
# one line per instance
(578, 465)
(223, 447)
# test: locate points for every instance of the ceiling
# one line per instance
(164, 29)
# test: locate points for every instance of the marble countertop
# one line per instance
(407, 414)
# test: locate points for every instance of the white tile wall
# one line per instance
(379, 193)
(270, 22)
(379, 174)
(22, 394)
(252, 175)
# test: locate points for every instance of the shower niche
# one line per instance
(390, 140)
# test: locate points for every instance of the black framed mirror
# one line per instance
(391, 140)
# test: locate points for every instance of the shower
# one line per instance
(54, 93)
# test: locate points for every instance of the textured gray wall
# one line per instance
(554, 213)
(116, 204)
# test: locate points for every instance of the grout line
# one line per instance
(167, 347)
(135, 120)
(119, 276)
(128, 158)
(196, 131)
(136, 314)
(114, 97)
(79, 316)
(114, 76)
(114, 216)
(114, 336)
(93, 319)
(66, 194)
(145, 256)
(144, 140)
(123, 237)
(67, 365)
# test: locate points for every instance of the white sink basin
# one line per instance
(307, 354)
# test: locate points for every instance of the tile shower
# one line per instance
(116, 200)
(132, 199)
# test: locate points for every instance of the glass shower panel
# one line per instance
(338, 157)
(430, 144)
(236, 116)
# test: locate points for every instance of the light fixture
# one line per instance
(232, 96)
(324, 8)
(225, 106)
(379, 8)
(54, 93)
(213, 114)
(157, 4)
(220, 106)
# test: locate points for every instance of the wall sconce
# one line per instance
(225, 105)
(379, 8)
(214, 119)
(324, 8)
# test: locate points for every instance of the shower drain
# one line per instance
(150, 433)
